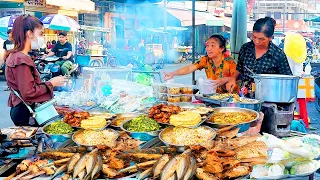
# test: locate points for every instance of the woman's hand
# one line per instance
(221, 82)
(168, 76)
(58, 81)
(231, 84)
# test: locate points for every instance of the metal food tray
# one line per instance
(207, 99)
(180, 147)
(243, 126)
(90, 147)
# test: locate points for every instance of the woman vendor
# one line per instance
(21, 73)
(260, 55)
(217, 65)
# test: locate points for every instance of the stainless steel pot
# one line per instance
(276, 88)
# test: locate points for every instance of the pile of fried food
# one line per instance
(161, 113)
(74, 118)
(231, 117)
(229, 157)
(76, 162)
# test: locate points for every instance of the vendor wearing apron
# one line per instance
(217, 65)
(261, 56)
(22, 75)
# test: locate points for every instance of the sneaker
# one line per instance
(73, 68)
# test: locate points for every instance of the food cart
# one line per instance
(154, 54)
(90, 51)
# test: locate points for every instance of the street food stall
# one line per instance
(153, 131)
(154, 54)
(90, 49)
(114, 129)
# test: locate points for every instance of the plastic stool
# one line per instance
(303, 112)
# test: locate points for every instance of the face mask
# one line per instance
(36, 44)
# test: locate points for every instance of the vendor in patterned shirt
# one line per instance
(260, 55)
(218, 66)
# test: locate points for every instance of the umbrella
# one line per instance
(316, 19)
(7, 23)
(238, 27)
(60, 22)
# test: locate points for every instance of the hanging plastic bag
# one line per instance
(295, 47)
(206, 86)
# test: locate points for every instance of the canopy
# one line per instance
(60, 22)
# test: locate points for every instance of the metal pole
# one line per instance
(165, 16)
(165, 22)
(193, 38)
(284, 15)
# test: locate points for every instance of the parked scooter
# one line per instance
(48, 69)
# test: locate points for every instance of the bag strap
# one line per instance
(18, 95)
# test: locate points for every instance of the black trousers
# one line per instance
(20, 115)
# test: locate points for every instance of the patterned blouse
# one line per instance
(274, 61)
(226, 69)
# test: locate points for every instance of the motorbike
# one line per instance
(48, 69)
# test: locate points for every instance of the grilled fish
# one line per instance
(72, 162)
(159, 165)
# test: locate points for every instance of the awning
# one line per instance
(86, 5)
(228, 21)
(92, 28)
(185, 17)
(210, 19)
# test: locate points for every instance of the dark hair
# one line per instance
(21, 26)
(222, 41)
(62, 34)
(265, 25)
(53, 42)
(9, 31)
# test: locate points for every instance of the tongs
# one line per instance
(253, 74)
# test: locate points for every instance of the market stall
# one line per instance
(91, 50)
(110, 131)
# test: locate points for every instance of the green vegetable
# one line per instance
(286, 171)
(142, 124)
(292, 171)
(58, 127)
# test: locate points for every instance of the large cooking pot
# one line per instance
(276, 88)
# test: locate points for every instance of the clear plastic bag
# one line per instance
(206, 86)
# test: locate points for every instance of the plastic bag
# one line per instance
(206, 86)
(295, 47)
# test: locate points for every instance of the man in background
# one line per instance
(7, 45)
(63, 49)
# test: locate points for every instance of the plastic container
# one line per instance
(206, 86)
(163, 97)
(174, 98)
(174, 89)
(159, 88)
(186, 98)
(187, 90)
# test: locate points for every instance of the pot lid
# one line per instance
(275, 76)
